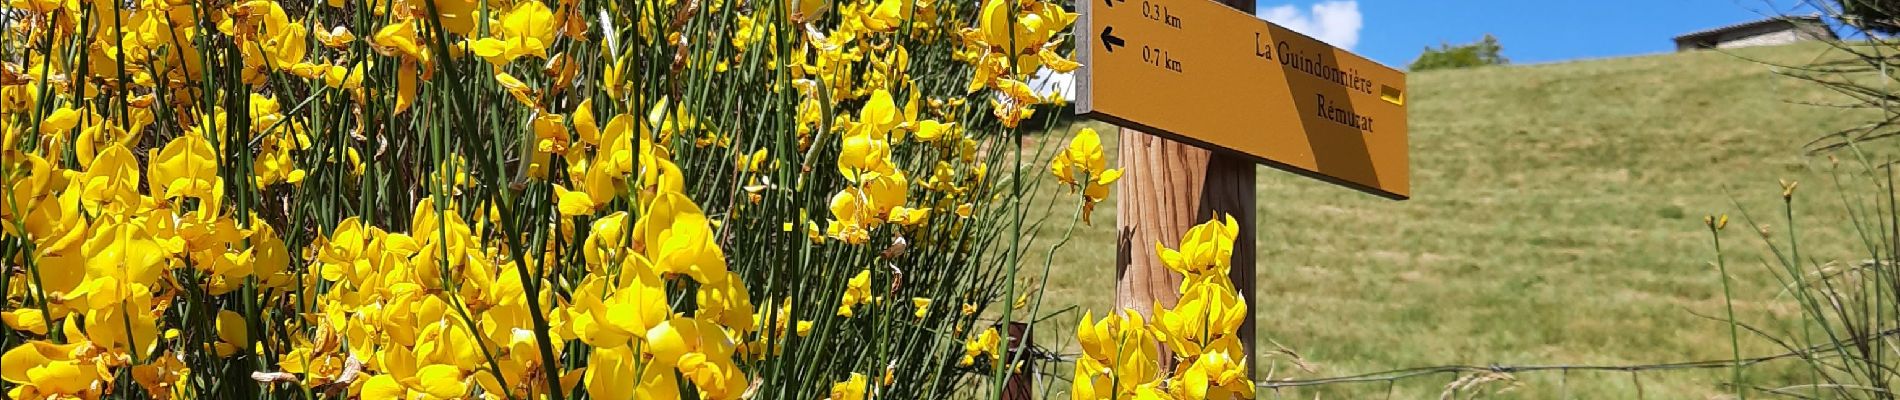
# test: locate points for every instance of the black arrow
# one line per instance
(1109, 40)
(1111, 3)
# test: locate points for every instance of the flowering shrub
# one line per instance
(510, 199)
(1121, 354)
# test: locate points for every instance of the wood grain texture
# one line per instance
(1168, 187)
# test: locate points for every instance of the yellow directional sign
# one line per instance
(1200, 72)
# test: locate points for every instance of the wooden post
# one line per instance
(1167, 188)
(1021, 384)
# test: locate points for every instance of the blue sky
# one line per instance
(1394, 31)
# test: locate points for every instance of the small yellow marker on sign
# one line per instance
(1204, 73)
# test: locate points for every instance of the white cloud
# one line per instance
(1047, 82)
(1335, 22)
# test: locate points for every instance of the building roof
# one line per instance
(1808, 19)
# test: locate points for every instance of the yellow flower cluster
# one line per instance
(1082, 165)
(196, 194)
(1002, 59)
(1206, 253)
(109, 243)
(986, 343)
(1121, 351)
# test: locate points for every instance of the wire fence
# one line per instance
(1467, 376)
(1472, 375)
(1402, 374)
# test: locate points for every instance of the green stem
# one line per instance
(1728, 300)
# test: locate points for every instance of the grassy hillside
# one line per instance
(1556, 220)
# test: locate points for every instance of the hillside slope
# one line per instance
(1556, 220)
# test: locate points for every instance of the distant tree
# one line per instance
(1878, 16)
(1482, 53)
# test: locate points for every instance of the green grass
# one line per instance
(1556, 219)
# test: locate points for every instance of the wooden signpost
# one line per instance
(1205, 91)
(1203, 73)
